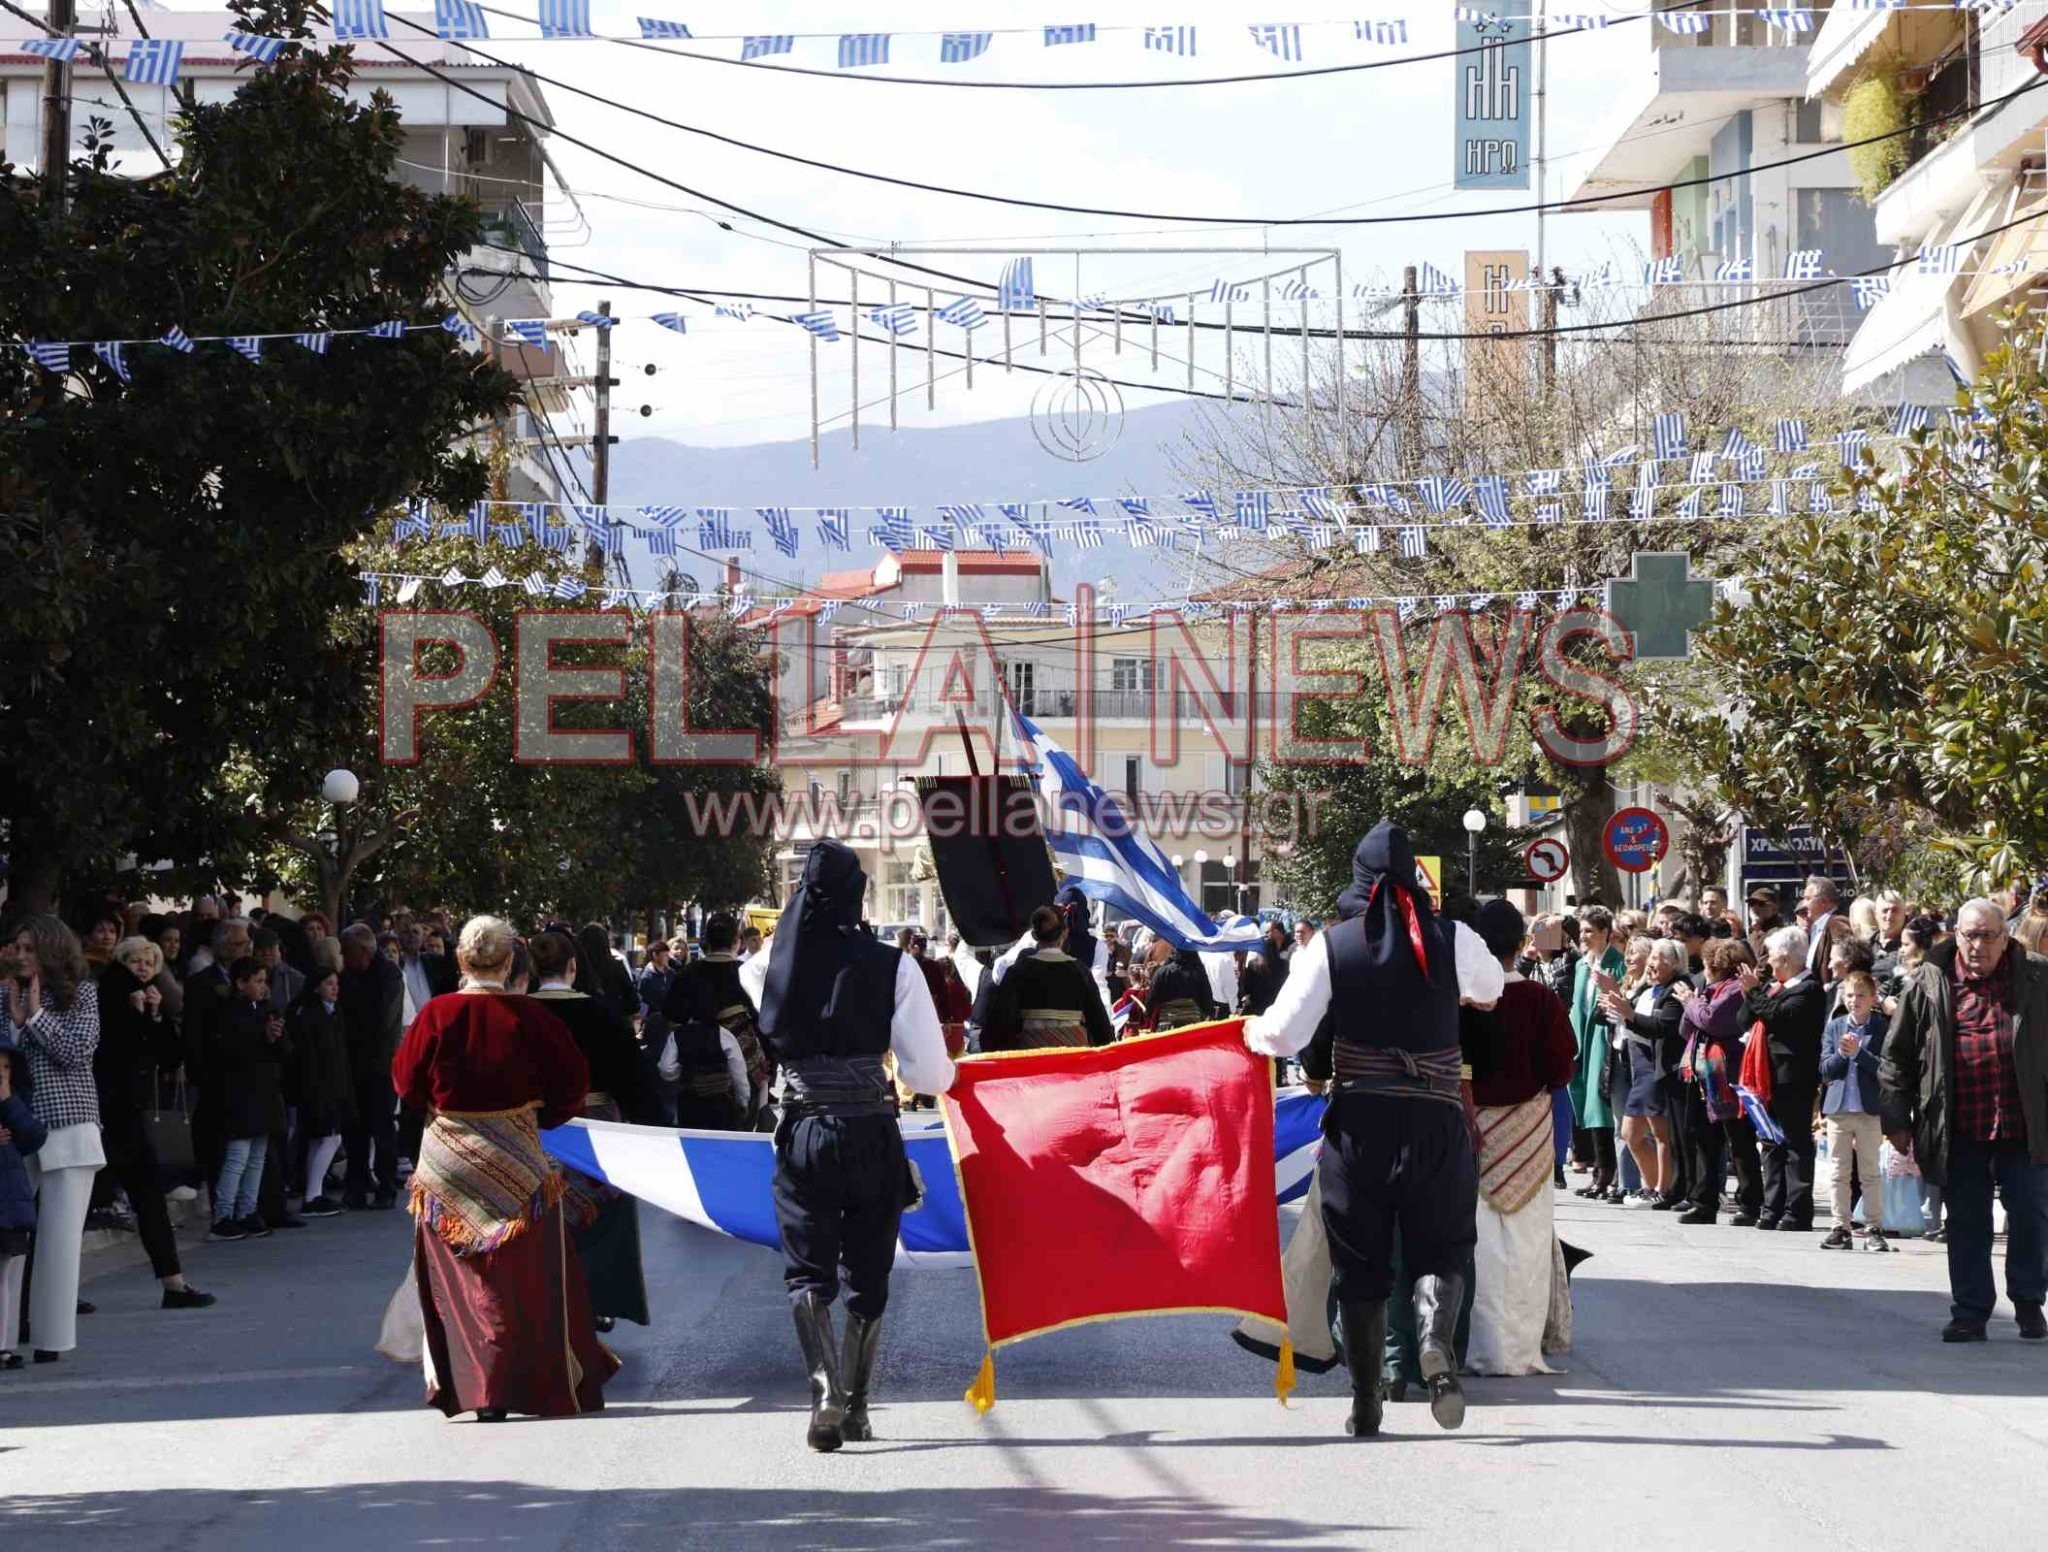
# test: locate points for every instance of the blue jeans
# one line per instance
(1973, 1169)
(241, 1173)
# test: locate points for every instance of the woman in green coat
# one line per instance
(1591, 1112)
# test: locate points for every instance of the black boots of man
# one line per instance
(1436, 1317)
(1365, 1340)
(839, 1385)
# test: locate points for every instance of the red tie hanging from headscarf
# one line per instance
(1405, 898)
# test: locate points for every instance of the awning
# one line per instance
(1921, 315)
(1845, 36)
(2014, 260)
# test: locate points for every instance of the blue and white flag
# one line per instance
(1668, 435)
(115, 354)
(725, 1181)
(677, 323)
(1016, 292)
(1171, 40)
(1767, 1129)
(935, 537)
(1099, 847)
(316, 343)
(1731, 502)
(1909, 418)
(1940, 258)
(1791, 436)
(1320, 502)
(1667, 271)
(1250, 509)
(178, 339)
(1787, 18)
(1685, 23)
(1803, 264)
(1433, 282)
(51, 355)
(781, 528)
(759, 44)
(1088, 534)
(657, 27)
(835, 528)
(898, 318)
(1385, 33)
(456, 20)
(1280, 39)
(1869, 290)
(604, 533)
(1201, 503)
(963, 314)
(391, 328)
(1736, 270)
(739, 312)
(1442, 493)
(715, 531)
(896, 531)
(569, 589)
(154, 61)
(1081, 32)
(565, 19)
(63, 50)
(863, 48)
(1414, 541)
(1229, 291)
(1080, 504)
(1746, 455)
(265, 51)
(597, 320)
(247, 345)
(956, 48)
(526, 331)
(1850, 445)
(822, 323)
(360, 19)
(1491, 492)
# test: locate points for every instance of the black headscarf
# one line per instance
(818, 936)
(1402, 934)
(1079, 942)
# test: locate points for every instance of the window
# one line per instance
(1134, 772)
(1806, 123)
(1022, 679)
(845, 786)
(1130, 673)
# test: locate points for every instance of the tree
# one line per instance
(178, 535)
(1902, 683)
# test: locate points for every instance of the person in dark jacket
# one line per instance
(252, 1052)
(602, 975)
(711, 1020)
(1793, 1008)
(322, 1085)
(373, 1009)
(1265, 972)
(1046, 998)
(1647, 1024)
(1963, 1082)
(1180, 992)
(21, 1134)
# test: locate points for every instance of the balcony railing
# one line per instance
(514, 225)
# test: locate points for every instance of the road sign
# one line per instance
(1429, 873)
(1635, 840)
(1789, 856)
(1546, 860)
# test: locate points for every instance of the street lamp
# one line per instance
(1475, 821)
(340, 786)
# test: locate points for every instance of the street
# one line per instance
(1725, 1384)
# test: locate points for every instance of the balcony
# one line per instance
(512, 225)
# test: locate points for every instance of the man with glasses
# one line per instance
(1964, 1085)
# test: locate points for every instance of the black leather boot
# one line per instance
(863, 1338)
(1436, 1319)
(1365, 1341)
(821, 1358)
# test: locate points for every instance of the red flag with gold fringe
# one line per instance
(1128, 1179)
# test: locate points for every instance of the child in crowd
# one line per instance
(252, 1052)
(20, 1135)
(322, 1088)
(1849, 1048)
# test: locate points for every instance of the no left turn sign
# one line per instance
(1546, 860)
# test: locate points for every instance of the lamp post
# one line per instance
(1475, 822)
(354, 839)
(1236, 889)
(1201, 887)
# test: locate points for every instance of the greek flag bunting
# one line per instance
(316, 343)
(1593, 503)
(1543, 482)
(247, 345)
(569, 588)
(863, 48)
(935, 538)
(415, 522)
(656, 27)
(1414, 541)
(1850, 445)
(1229, 291)
(1666, 271)
(511, 535)
(1788, 18)
(1431, 281)
(963, 314)
(741, 312)
(1869, 290)
(781, 528)
(1136, 507)
(527, 331)
(1251, 508)
(459, 326)
(1281, 40)
(63, 50)
(1747, 457)
(1365, 540)
(898, 318)
(1201, 503)
(1321, 503)
(115, 355)
(1643, 499)
(154, 62)
(393, 328)
(821, 323)
(661, 542)
(1791, 436)
(565, 19)
(1910, 418)
(51, 355)
(715, 531)
(956, 48)
(459, 19)
(1702, 468)
(602, 531)
(1299, 290)
(1668, 434)
(1685, 23)
(1781, 498)
(1803, 264)
(1080, 504)
(359, 19)
(265, 51)
(597, 320)
(962, 518)
(178, 339)
(1171, 40)
(1107, 858)
(1736, 269)
(535, 584)
(759, 44)
(1016, 291)
(1088, 535)
(1731, 502)
(1083, 32)
(1442, 493)
(1940, 258)
(896, 531)
(674, 322)
(1689, 507)
(1384, 33)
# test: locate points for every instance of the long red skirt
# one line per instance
(511, 1328)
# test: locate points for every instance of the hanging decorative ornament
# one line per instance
(1077, 416)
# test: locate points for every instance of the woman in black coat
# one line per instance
(320, 1083)
(1793, 1009)
(1651, 1043)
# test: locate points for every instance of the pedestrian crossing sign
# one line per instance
(1429, 873)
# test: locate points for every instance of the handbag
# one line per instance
(169, 1130)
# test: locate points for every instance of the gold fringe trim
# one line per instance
(1283, 1376)
(981, 1395)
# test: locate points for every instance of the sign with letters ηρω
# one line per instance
(1494, 77)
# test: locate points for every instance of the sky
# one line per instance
(1367, 142)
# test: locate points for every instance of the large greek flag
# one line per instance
(723, 1181)
(1103, 855)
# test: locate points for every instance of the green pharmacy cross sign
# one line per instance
(1661, 603)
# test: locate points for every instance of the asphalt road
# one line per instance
(1728, 1387)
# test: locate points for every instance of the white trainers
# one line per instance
(1640, 1199)
(181, 1194)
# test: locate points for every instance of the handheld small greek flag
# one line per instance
(1767, 1129)
(458, 19)
(565, 19)
(956, 48)
(821, 323)
(863, 48)
(154, 62)
(360, 19)
(756, 46)
(265, 51)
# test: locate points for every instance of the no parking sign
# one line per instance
(1635, 840)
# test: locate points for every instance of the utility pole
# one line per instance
(1411, 369)
(56, 154)
(1547, 317)
(601, 443)
(1548, 306)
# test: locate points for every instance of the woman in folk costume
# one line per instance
(1180, 992)
(1397, 1156)
(608, 1221)
(1047, 999)
(834, 1002)
(502, 1298)
(1530, 1055)
(1082, 944)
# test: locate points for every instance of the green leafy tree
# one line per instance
(177, 539)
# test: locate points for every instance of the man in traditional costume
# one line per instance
(1047, 998)
(713, 1054)
(834, 1002)
(1398, 1156)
